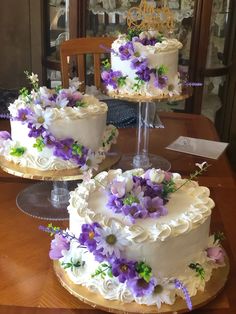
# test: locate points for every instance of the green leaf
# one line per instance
(80, 103)
(144, 271)
(39, 144)
(162, 70)
(77, 149)
(103, 270)
(121, 81)
(24, 92)
(133, 32)
(136, 87)
(130, 199)
(106, 64)
(17, 151)
(168, 187)
(199, 269)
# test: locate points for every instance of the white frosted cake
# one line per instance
(139, 237)
(143, 63)
(57, 129)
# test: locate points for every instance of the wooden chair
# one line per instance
(78, 48)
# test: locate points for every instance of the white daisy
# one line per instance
(41, 117)
(112, 240)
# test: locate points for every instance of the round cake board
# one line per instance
(212, 289)
(56, 175)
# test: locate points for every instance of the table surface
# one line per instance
(28, 284)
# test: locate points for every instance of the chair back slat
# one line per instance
(79, 48)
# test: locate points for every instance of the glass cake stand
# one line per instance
(142, 158)
(49, 198)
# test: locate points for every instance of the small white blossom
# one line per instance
(202, 165)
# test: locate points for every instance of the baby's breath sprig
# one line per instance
(202, 167)
(34, 80)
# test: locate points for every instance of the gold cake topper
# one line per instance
(147, 17)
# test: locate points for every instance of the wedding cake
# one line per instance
(143, 63)
(139, 236)
(55, 129)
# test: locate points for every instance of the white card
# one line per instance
(199, 147)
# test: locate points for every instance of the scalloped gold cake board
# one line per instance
(212, 289)
(186, 93)
(55, 175)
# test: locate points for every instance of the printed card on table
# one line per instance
(199, 147)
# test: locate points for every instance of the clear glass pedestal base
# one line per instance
(130, 161)
(46, 200)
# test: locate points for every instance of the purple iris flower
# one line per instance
(87, 235)
(63, 149)
(154, 206)
(139, 63)
(111, 78)
(114, 203)
(4, 135)
(34, 132)
(160, 81)
(126, 51)
(144, 74)
(58, 244)
(123, 269)
(22, 114)
(139, 287)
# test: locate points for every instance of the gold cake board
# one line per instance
(56, 175)
(212, 289)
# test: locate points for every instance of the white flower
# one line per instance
(202, 165)
(41, 117)
(164, 292)
(34, 78)
(155, 175)
(75, 83)
(112, 239)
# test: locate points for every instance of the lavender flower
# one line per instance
(139, 63)
(126, 51)
(144, 74)
(134, 211)
(35, 132)
(87, 236)
(160, 81)
(4, 135)
(23, 114)
(180, 285)
(139, 287)
(58, 245)
(114, 203)
(63, 149)
(154, 206)
(110, 77)
(123, 269)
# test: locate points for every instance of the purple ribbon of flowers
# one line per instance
(181, 286)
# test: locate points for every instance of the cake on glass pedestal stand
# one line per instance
(49, 198)
(142, 158)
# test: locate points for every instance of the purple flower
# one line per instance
(139, 63)
(63, 148)
(139, 287)
(23, 114)
(48, 139)
(58, 244)
(149, 41)
(99, 256)
(123, 269)
(217, 254)
(153, 189)
(87, 236)
(111, 77)
(181, 286)
(126, 51)
(144, 74)
(34, 132)
(134, 211)
(139, 181)
(118, 188)
(154, 206)
(160, 81)
(4, 135)
(114, 203)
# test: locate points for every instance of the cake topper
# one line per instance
(148, 17)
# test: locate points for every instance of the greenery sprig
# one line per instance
(144, 271)
(72, 264)
(106, 64)
(121, 81)
(219, 236)
(39, 144)
(17, 151)
(199, 269)
(139, 83)
(103, 270)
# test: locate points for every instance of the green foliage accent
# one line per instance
(168, 187)
(53, 229)
(77, 149)
(58, 88)
(219, 236)
(130, 199)
(72, 264)
(80, 103)
(106, 64)
(144, 271)
(162, 70)
(199, 269)
(39, 144)
(136, 87)
(17, 151)
(103, 270)
(110, 138)
(121, 81)
(24, 92)
(133, 32)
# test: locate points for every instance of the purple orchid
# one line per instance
(35, 132)
(154, 206)
(114, 203)
(139, 63)
(126, 51)
(123, 269)
(87, 236)
(111, 78)
(63, 149)
(139, 287)
(160, 81)
(4, 135)
(23, 114)
(216, 253)
(144, 74)
(58, 245)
